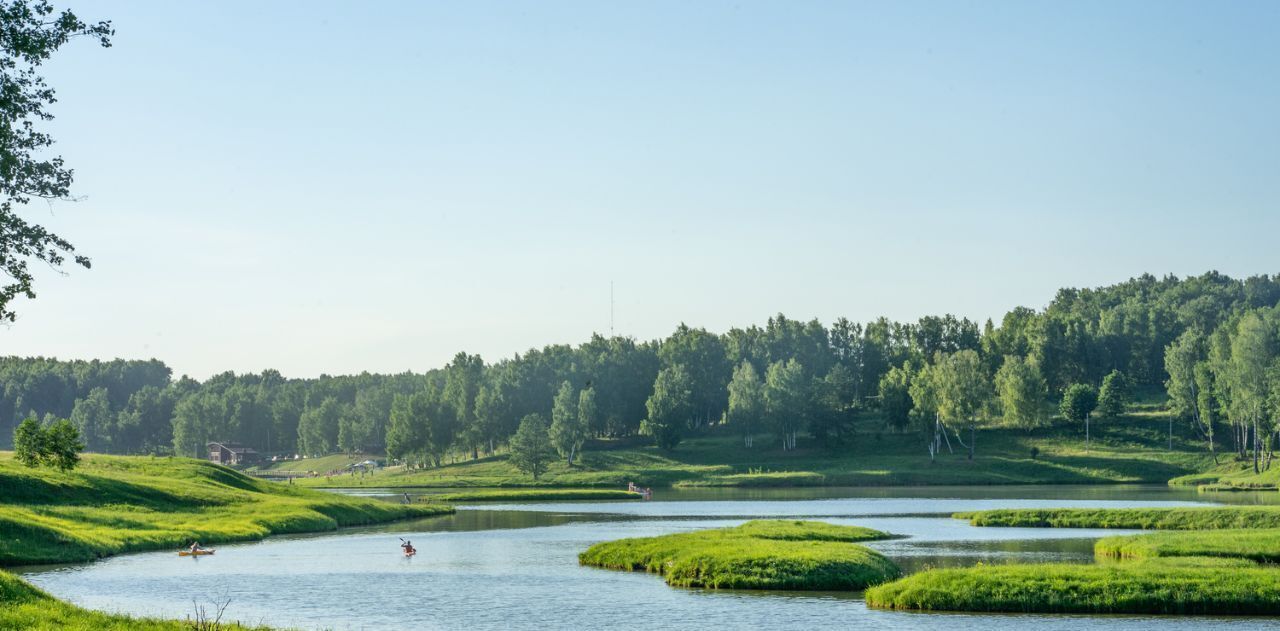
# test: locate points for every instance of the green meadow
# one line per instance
(1132, 450)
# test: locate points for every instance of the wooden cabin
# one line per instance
(232, 454)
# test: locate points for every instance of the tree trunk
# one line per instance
(1211, 452)
(1255, 444)
(1242, 441)
(973, 438)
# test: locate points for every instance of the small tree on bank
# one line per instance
(895, 396)
(963, 390)
(670, 407)
(568, 430)
(746, 401)
(58, 445)
(29, 442)
(1022, 392)
(588, 411)
(786, 399)
(64, 445)
(1077, 405)
(1114, 395)
(531, 450)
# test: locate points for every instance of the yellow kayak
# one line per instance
(197, 553)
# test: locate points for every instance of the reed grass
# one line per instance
(1262, 545)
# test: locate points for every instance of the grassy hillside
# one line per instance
(114, 504)
(1232, 475)
(1132, 450)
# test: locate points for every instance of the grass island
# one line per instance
(760, 554)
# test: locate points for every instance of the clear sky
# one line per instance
(337, 187)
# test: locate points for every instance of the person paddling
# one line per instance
(196, 547)
(408, 548)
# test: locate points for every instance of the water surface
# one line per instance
(514, 566)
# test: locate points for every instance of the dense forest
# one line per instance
(1210, 340)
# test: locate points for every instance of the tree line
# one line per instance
(1209, 339)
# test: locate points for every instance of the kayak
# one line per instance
(409, 553)
(197, 553)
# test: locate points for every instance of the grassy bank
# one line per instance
(115, 504)
(1262, 546)
(756, 555)
(1133, 450)
(23, 606)
(1207, 518)
(1232, 476)
(1190, 586)
(517, 495)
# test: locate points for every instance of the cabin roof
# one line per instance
(235, 448)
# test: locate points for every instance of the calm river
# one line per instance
(514, 566)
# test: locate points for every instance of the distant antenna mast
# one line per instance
(610, 308)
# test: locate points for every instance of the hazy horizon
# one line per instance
(326, 189)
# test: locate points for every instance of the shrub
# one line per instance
(29, 442)
(57, 446)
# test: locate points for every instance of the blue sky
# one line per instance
(337, 187)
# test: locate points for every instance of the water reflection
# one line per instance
(1111, 492)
